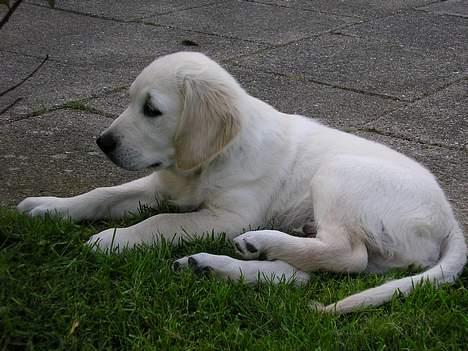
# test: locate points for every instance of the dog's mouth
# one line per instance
(134, 166)
(130, 164)
(155, 165)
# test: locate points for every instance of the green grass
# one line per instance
(57, 294)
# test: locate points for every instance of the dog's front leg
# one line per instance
(172, 227)
(107, 202)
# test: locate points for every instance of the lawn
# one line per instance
(57, 294)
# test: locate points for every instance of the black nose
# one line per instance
(106, 142)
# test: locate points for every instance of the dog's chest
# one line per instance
(288, 212)
(186, 192)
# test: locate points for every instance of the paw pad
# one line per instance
(250, 247)
(176, 266)
(197, 267)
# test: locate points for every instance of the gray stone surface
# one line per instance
(126, 10)
(440, 118)
(441, 36)
(121, 48)
(53, 84)
(54, 154)
(391, 56)
(355, 8)
(335, 107)
(15, 67)
(253, 21)
(449, 7)
(87, 56)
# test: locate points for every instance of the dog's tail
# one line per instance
(447, 269)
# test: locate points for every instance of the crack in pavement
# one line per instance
(69, 105)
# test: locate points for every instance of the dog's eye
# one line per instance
(150, 111)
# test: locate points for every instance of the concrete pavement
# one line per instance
(392, 71)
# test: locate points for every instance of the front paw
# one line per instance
(113, 239)
(259, 244)
(39, 206)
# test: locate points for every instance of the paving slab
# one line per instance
(13, 68)
(441, 35)
(449, 166)
(126, 10)
(404, 64)
(52, 85)
(87, 56)
(55, 154)
(440, 118)
(355, 8)
(253, 21)
(448, 7)
(94, 43)
(335, 107)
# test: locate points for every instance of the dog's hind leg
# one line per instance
(226, 267)
(307, 254)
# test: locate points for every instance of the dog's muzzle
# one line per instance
(107, 143)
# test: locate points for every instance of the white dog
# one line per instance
(232, 162)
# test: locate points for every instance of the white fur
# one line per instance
(234, 163)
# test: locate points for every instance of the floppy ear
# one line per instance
(209, 120)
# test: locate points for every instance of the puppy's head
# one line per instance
(182, 113)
